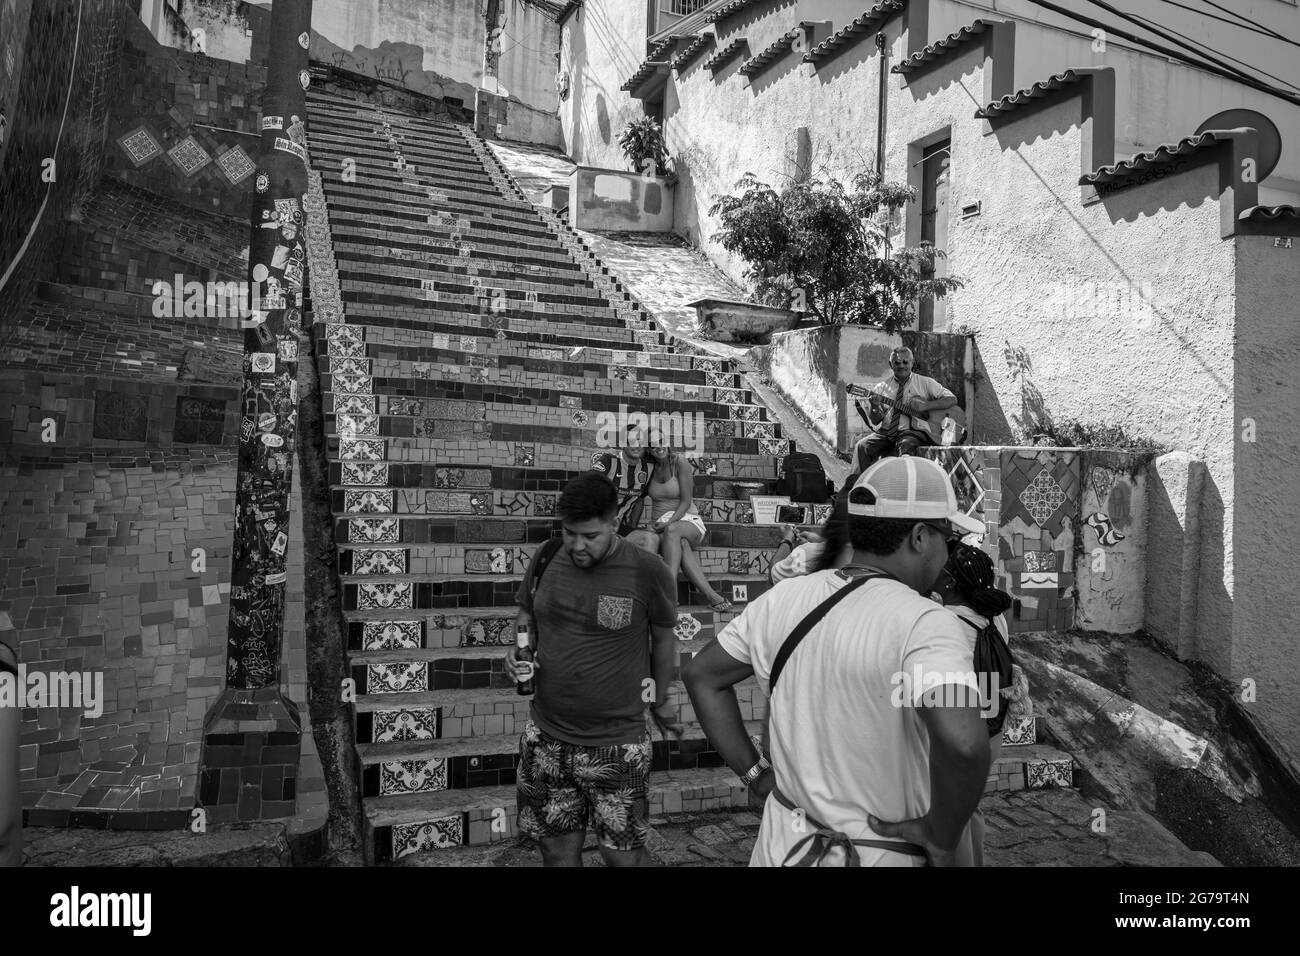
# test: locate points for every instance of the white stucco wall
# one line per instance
(1265, 614)
(601, 46)
(437, 49)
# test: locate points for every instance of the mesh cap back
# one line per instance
(908, 487)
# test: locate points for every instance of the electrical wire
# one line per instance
(1226, 72)
(1269, 30)
(1284, 82)
(1245, 26)
(1199, 51)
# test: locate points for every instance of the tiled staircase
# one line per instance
(469, 344)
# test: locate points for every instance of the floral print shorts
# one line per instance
(564, 788)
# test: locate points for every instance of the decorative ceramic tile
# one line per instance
(445, 502)
(358, 426)
(775, 447)
(433, 835)
(544, 505)
(478, 478)
(738, 562)
(641, 389)
(967, 486)
(365, 473)
(351, 379)
(1040, 561)
(1046, 773)
(401, 677)
(1039, 580)
(480, 503)
(740, 593)
(707, 364)
(412, 776)
(525, 454)
(413, 407)
(1019, 731)
(495, 561)
(719, 380)
(374, 530)
(361, 449)
(580, 419)
(643, 359)
(1042, 497)
(547, 355)
(691, 391)
(687, 627)
(139, 146)
(379, 561)
(1100, 523)
(235, 163)
(760, 430)
(822, 513)
(704, 466)
(717, 427)
(744, 413)
(395, 596)
(727, 396)
(390, 635)
(571, 401)
(361, 502)
(392, 726)
(189, 156)
(487, 632)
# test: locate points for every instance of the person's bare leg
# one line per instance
(695, 574)
(564, 850)
(671, 549)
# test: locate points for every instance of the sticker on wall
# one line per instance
(304, 78)
(1100, 522)
(262, 183)
(304, 40)
(272, 441)
(263, 363)
(289, 146)
(272, 122)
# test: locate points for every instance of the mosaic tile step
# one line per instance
(433, 162)
(412, 439)
(506, 491)
(493, 627)
(458, 592)
(442, 531)
(416, 562)
(402, 825)
(341, 109)
(335, 128)
(446, 714)
(359, 208)
(380, 461)
(474, 333)
(442, 380)
(507, 504)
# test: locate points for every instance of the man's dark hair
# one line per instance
(590, 495)
(879, 535)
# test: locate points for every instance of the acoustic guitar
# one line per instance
(929, 424)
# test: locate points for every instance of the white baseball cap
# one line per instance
(911, 488)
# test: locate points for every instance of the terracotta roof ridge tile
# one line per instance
(1162, 154)
(1284, 211)
(1040, 89)
(858, 26)
(939, 47)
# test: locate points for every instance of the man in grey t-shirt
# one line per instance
(602, 619)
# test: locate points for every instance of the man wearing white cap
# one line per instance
(876, 714)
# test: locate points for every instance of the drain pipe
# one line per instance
(882, 115)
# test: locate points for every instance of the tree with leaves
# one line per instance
(823, 249)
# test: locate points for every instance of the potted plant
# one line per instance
(821, 248)
(643, 145)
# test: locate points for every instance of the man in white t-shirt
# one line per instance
(876, 715)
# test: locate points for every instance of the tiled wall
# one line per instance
(1029, 499)
(185, 125)
(49, 84)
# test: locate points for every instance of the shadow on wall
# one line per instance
(602, 118)
(991, 425)
(1214, 636)
(400, 63)
(1034, 416)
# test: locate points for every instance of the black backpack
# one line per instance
(804, 479)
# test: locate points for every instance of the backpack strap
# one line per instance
(544, 555)
(812, 620)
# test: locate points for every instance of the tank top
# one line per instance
(665, 496)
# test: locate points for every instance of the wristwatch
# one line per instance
(756, 771)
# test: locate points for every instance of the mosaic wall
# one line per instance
(1029, 499)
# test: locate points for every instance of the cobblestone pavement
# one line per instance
(1024, 828)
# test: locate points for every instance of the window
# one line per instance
(935, 161)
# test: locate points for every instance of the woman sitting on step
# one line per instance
(674, 517)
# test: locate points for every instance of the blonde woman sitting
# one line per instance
(674, 517)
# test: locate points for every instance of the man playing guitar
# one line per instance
(906, 429)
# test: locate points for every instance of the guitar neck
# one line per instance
(867, 393)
